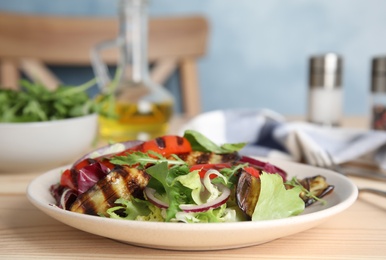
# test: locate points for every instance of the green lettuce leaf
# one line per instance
(275, 201)
(218, 215)
(192, 181)
(136, 209)
(203, 190)
(201, 143)
(176, 193)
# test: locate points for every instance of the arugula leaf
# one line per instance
(230, 175)
(201, 143)
(175, 192)
(294, 182)
(143, 159)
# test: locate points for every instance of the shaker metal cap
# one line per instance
(325, 71)
(378, 74)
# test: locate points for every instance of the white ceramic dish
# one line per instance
(213, 236)
(39, 146)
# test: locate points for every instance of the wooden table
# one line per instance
(26, 232)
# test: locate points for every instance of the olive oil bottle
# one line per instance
(136, 121)
(141, 108)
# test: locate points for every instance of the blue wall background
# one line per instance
(258, 52)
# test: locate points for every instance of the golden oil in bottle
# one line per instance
(136, 121)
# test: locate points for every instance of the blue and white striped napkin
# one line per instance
(269, 135)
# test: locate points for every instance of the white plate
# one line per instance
(210, 236)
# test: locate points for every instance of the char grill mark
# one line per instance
(108, 190)
(89, 208)
(119, 169)
(122, 182)
(206, 157)
(229, 157)
(203, 158)
(160, 142)
(180, 140)
(74, 176)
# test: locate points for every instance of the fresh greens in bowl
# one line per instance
(36, 103)
(46, 128)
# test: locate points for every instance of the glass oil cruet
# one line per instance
(142, 108)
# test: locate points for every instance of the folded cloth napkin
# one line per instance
(268, 134)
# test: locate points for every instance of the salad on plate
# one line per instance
(186, 179)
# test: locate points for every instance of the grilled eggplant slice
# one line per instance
(247, 192)
(317, 186)
(121, 182)
(196, 157)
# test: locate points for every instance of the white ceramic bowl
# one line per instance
(37, 146)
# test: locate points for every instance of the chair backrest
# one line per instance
(29, 42)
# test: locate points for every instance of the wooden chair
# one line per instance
(29, 43)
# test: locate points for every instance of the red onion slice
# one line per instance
(265, 166)
(104, 149)
(149, 192)
(225, 193)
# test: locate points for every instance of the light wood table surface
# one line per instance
(27, 233)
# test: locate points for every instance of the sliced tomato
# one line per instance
(252, 171)
(203, 168)
(67, 180)
(167, 145)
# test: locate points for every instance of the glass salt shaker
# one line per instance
(378, 93)
(325, 102)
